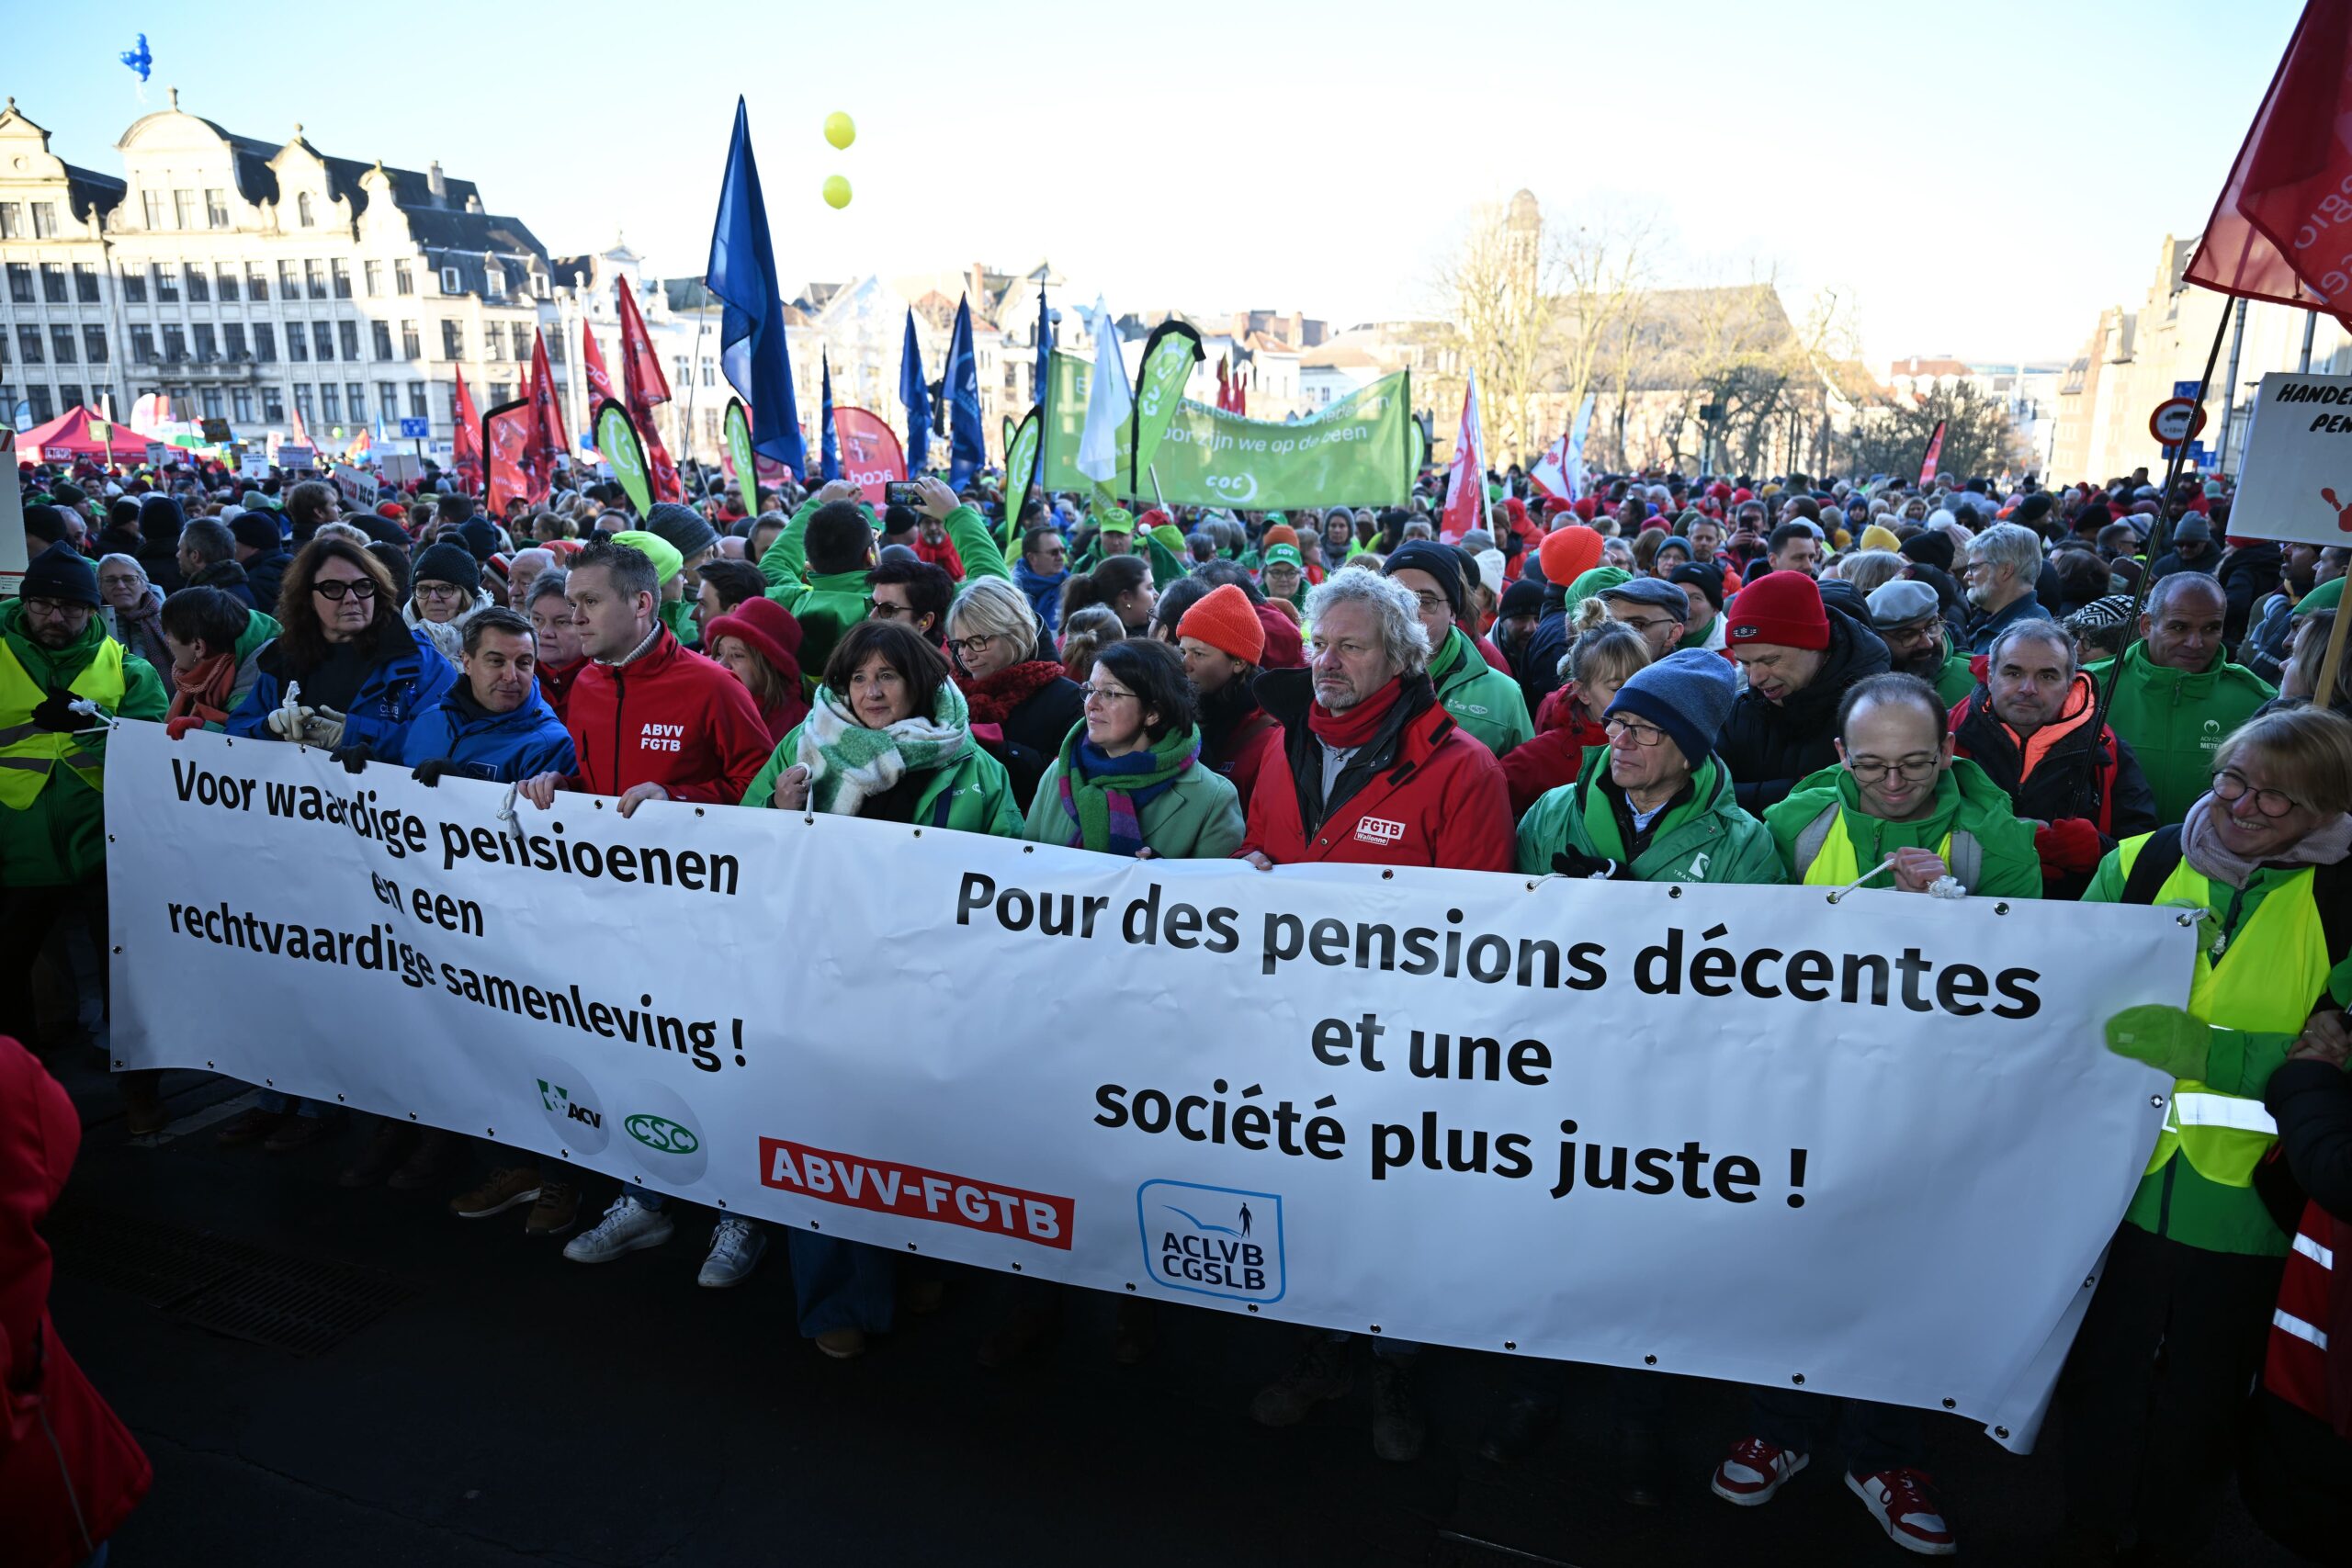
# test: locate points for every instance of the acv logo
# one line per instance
(558, 1100)
(661, 1133)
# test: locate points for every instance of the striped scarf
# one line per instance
(1103, 795)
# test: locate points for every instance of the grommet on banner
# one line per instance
(2001, 908)
(338, 1099)
(918, 832)
(1016, 1268)
(699, 812)
(1797, 1377)
(600, 804)
(563, 1154)
(2188, 918)
(1028, 849)
(1375, 1329)
(411, 1115)
(910, 1246)
(1649, 1361)
(1674, 892)
(1531, 886)
(1510, 1343)
(2156, 1101)
(1131, 1284)
(1253, 1306)
(2090, 1280)
(269, 1083)
(490, 1132)
(810, 821)
(1386, 875)
(2000, 1431)
(118, 949)
(208, 1064)
(118, 1064)
(721, 1202)
(815, 1226)
(1951, 1404)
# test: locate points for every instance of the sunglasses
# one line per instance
(337, 589)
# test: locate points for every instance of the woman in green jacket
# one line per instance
(1129, 780)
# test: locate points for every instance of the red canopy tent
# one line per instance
(77, 433)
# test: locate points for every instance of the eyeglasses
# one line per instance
(1639, 734)
(57, 608)
(1432, 602)
(2230, 785)
(1106, 694)
(435, 592)
(968, 646)
(337, 589)
(118, 579)
(884, 610)
(1644, 624)
(1871, 769)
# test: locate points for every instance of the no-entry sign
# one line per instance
(2177, 420)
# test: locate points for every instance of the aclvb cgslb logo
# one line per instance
(1213, 1241)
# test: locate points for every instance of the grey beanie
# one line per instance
(1688, 693)
(1893, 604)
(679, 527)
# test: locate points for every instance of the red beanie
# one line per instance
(1783, 607)
(1569, 553)
(1224, 618)
(1279, 534)
(1586, 507)
(1286, 648)
(767, 628)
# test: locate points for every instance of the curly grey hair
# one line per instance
(1406, 640)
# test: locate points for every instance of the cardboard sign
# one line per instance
(2297, 483)
(291, 457)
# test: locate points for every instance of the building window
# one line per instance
(273, 406)
(142, 344)
(206, 350)
(184, 209)
(383, 335)
(493, 278)
(21, 283)
(233, 337)
(359, 403)
(453, 340)
(256, 283)
(241, 404)
(43, 411)
(264, 343)
(94, 344)
(499, 391)
(12, 219)
(302, 213)
(134, 285)
(208, 401)
(44, 220)
(340, 272)
(679, 374)
(322, 340)
(412, 346)
(297, 342)
(216, 210)
(403, 279)
(167, 284)
(450, 282)
(347, 334)
(28, 345)
(52, 283)
(199, 283)
(174, 346)
(372, 273)
(494, 338)
(388, 398)
(86, 283)
(416, 408)
(286, 287)
(69, 395)
(61, 344)
(315, 280)
(710, 372)
(555, 349)
(330, 402)
(303, 404)
(153, 202)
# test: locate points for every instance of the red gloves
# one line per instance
(2070, 844)
(175, 728)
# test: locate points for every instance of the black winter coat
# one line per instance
(1033, 733)
(264, 575)
(2249, 574)
(1769, 746)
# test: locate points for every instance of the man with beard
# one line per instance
(1909, 618)
(2004, 566)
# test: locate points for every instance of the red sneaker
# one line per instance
(1904, 1503)
(1753, 1471)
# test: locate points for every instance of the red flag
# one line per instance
(645, 386)
(506, 431)
(1225, 383)
(1935, 453)
(548, 443)
(592, 361)
(1465, 483)
(870, 453)
(301, 431)
(2281, 230)
(465, 447)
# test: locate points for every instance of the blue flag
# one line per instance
(742, 273)
(1045, 379)
(967, 448)
(829, 442)
(914, 392)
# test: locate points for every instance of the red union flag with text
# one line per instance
(507, 432)
(549, 444)
(870, 454)
(644, 385)
(1465, 483)
(465, 437)
(2282, 227)
(591, 362)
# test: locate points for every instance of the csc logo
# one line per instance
(662, 1134)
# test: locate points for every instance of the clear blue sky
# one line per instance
(1983, 178)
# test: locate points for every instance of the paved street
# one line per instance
(502, 1407)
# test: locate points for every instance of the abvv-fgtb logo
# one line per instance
(1213, 1241)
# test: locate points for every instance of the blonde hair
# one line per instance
(2308, 753)
(1604, 649)
(1086, 632)
(1870, 570)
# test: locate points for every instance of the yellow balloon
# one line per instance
(840, 129)
(836, 191)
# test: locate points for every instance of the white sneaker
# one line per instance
(1903, 1503)
(1753, 1471)
(627, 1226)
(736, 1247)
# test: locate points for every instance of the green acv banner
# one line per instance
(739, 447)
(1019, 469)
(616, 439)
(1358, 452)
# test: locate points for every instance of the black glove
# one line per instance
(429, 772)
(354, 757)
(56, 713)
(1596, 868)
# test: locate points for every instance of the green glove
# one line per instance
(2166, 1038)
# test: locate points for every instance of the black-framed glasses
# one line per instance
(964, 646)
(59, 607)
(337, 589)
(2231, 786)
(884, 610)
(1106, 693)
(1639, 734)
(1871, 769)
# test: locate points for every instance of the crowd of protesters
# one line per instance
(2091, 692)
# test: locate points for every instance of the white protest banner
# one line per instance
(2296, 481)
(14, 552)
(1872, 1148)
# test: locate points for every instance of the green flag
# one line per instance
(1358, 452)
(1020, 468)
(616, 439)
(1168, 360)
(739, 447)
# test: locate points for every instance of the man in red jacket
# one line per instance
(69, 1473)
(650, 719)
(1372, 770)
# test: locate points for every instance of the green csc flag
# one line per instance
(739, 447)
(1169, 356)
(616, 439)
(1358, 452)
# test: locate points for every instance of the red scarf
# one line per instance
(1346, 731)
(203, 694)
(992, 698)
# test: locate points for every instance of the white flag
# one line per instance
(1109, 400)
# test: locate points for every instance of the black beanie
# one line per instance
(1438, 561)
(61, 573)
(446, 562)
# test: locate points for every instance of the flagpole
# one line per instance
(694, 380)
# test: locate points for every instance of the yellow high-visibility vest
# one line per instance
(29, 754)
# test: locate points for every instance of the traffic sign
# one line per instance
(415, 429)
(2185, 389)
(2177, 418)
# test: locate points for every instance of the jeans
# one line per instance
(1872, 1437)
(840, 1284)
(27, 917)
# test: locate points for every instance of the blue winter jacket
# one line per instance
(408, 677)
(498, 747)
